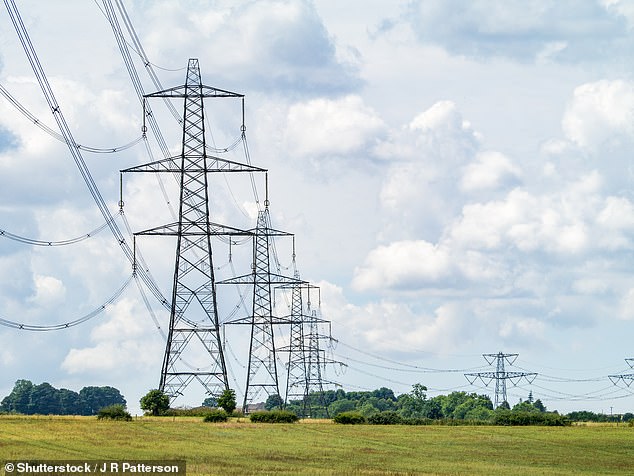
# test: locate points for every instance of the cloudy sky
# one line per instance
(457, 175)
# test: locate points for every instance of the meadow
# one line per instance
(321, 447)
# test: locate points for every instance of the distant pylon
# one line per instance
(262, 367)
(194, 331)
(306, 362)
(627, 379)
(500, 375)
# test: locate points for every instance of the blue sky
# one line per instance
(457, 174)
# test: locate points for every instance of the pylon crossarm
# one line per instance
(185, 91)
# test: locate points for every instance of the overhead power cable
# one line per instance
(25, 112)
(56, 327)
(70, 241)
(38, 71)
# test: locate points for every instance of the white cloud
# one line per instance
(48, 290)
(403, 265)
(490, 170)
(340, 127)
(600, 113)
(125, 341)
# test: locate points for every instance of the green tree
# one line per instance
(524, 407)
(341, 406)
(155, 402)
(69, 402)
(19, 400)
(274, 402)
(504, 406)
(210, 402)
(95, 398)
(45, 400)
(227, 400)
(539, 405)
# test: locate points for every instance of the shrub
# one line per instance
(419, 421)
(227, 400)
(385, 418)
(185, 412)
(274, 416)
(514, 418)
(155, 402)
(114, 412)
(216, 416)
(349, 418)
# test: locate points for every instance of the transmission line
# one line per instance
(70, 241)
(65, 130)
(56, 327)
(25, 112)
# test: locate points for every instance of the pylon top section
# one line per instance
(193, 81)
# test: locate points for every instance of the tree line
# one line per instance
(44, 399)
(415, 404)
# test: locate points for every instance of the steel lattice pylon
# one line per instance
(262, 367)
(307, 361)
(194, 326)
(500, 375)
(296, 382)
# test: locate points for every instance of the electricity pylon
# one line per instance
(306, 362)
(194, 331)
(500, 375)
(627, 379)
(262, 367)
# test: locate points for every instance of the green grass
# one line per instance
(240, 447)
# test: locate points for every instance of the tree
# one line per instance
(95, 398)
(45, 399)
(227, 400)
(19, 400)
(539, 405)
(341, 406)
(210, 402)
(273, 402)
(69, 402)
(524, 407)
(155, 402)
(504, 406)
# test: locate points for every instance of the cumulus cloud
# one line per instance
(271, 45)
(326, 127)
(566, 30)
(403, 265)
(123, 342)
(490, 170)
(600, 113)
(48, 290)
(420, 190)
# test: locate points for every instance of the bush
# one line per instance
(227, 400)
(349, 418)
(114, 412)
(514, 418)
(187, 412)
(216, 416)
(385, 418)
(155, 402)
(274, 416)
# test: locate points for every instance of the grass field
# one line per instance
(240, 447)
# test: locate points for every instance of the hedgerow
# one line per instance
(273, 416)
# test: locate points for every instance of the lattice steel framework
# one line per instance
(262, 373)
(296, 370)
(500, 375)
(627, 379)
(194, 331)
(307, 361)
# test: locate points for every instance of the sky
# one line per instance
(457, 176)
